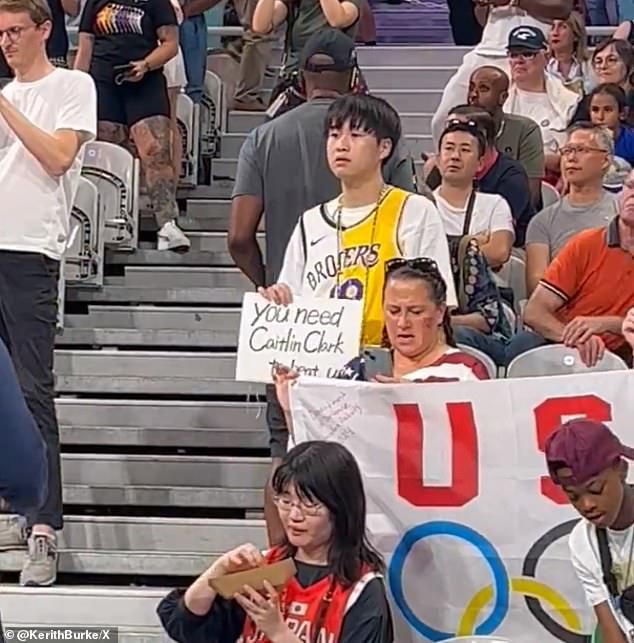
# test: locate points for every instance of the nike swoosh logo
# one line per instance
(314, 242)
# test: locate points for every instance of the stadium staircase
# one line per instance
(164, 454)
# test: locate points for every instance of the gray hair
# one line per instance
(602, 135)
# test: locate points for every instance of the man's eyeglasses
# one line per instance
(524, 55)
(569, 150)
(422, 264)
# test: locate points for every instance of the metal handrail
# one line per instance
(238, 31)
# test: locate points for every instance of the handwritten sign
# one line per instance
(316, 337)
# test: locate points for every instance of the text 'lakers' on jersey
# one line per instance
(347, 262)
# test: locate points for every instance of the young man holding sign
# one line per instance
(338, 249)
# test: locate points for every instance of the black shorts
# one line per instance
(275, 420)
(130, 103)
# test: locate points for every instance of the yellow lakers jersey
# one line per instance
(348, 262)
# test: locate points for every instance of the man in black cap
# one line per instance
(537, 95)
(282, 170)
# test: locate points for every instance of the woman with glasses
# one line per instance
(612, 62)
(337, 595)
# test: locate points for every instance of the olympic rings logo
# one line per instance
(534, 592)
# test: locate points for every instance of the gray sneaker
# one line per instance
(12, 532)
(40, 567)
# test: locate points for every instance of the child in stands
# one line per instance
(608, 108)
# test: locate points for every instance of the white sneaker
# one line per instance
(171, 237)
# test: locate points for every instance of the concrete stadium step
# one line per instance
(120, 294)
(432, 56)
(146, 373)
(161, 423)
(207, 248)
(152, 326)
(420, 76)
(114, 469)
(132, 610)
(156, 318)
(243, 122)
(173, 481)
(182, 277)
(144, 546)
(227, 167)
(232, 142)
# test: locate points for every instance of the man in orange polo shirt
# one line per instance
(586, 291)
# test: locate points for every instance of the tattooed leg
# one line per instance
(152, 137)
(113, 133)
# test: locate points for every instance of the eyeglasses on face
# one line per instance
(524, 55)
(286, 503)
(608, 61)
(14, 34)
(569, 150)
(422, 264)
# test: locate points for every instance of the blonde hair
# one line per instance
(38, 10)
(577, 25)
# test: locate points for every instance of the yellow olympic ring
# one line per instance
(526, 587)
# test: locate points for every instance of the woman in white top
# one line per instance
(463, 210)
(569, 58)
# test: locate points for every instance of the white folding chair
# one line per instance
(549, 194)
(213, 114)
(487, 362)
(84, 255)
(188, 119)
(557, 359)
(115, 173)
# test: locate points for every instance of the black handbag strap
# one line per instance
(606, 562)
(468, 215)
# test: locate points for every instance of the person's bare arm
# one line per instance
(497, 248)
(547, 9)
(540, 311)
(268, 16)
(246, 212)
(86, 42)
(471, 320)
(55, 151)
(609, 628)
(537, 258)
(167, 48)
(71, 7)
(339, 14)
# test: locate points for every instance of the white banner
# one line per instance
(314, 336)
(474, 534)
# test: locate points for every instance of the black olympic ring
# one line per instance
(529, 567)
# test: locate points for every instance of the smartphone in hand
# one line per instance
(377, 361)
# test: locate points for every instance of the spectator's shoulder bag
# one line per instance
(476, 289)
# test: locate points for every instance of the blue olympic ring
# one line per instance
(491, 557)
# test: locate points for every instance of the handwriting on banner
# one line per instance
(336, 415)
(465, 459)
(316, 337)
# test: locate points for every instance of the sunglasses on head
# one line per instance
(421, 264)
(457, 123)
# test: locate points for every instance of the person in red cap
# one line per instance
(588, 461)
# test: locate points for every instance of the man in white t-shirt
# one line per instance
(588, 462)
(46, 116)
(503, 16)
(537, 95)
(461, 149)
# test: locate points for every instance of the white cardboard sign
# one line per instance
(314, 336)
